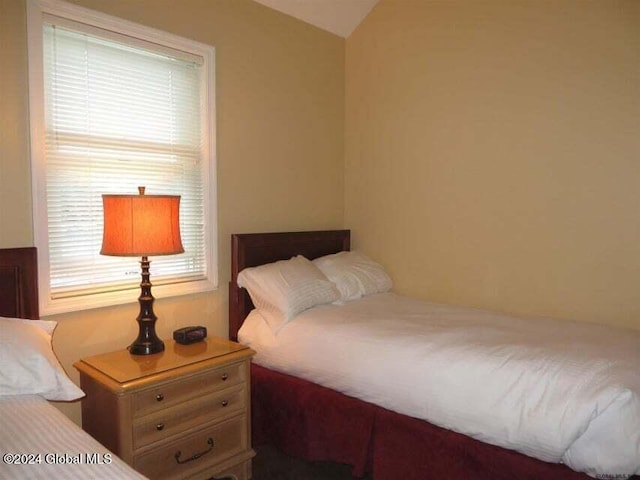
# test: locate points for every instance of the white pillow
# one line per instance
(283, 289)
(28, 365)
(354, 274)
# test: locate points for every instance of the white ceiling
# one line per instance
(340, 17)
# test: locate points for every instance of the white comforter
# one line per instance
(556, 390)
(37, 441)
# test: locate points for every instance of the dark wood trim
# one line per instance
(253, 249)
(19, 283)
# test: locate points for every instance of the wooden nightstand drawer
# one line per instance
(188, 415)
(195, 452)
(167, 395)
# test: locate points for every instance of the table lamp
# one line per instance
(142, 226)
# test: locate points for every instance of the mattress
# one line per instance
(560, 391)
(37, 441)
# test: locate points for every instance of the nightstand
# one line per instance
(182, 413)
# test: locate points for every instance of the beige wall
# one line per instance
(493, 153)
(280, 121)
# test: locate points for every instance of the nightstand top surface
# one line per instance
(124, 367)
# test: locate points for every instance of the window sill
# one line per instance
(121, 297)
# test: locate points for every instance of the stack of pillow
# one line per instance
(282, 290)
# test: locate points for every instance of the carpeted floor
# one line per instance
(271, 464)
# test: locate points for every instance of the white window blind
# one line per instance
(119, 113)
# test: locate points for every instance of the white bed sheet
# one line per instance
(563, 392)
(33, 430)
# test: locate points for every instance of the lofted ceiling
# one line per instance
(340, 17)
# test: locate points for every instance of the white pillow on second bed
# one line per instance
(283, 289)
(354, 274)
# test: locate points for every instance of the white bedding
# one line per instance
(560, 391)
(35, 432)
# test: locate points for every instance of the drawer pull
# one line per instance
(159, 426)
(195, 456)
(224, 376)
(159, 397)
(224, 403)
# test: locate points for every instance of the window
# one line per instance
(114, 106)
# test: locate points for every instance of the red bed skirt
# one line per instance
(308, 421)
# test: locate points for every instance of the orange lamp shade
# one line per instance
(141, 225)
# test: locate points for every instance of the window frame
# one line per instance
(36, 9)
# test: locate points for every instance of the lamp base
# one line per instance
(147, 342)
(146, 348)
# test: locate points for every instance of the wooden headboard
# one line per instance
(19, 283)
(253, 249)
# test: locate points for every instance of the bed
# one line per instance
(305, 419)
(36, 439)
